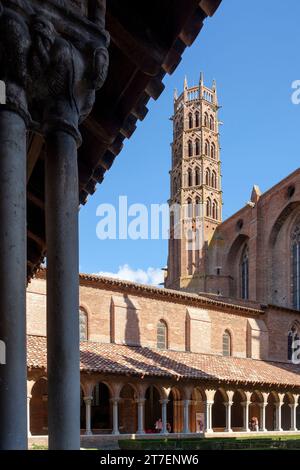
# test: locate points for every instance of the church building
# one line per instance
(217, 350)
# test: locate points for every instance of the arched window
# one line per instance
(198, 207)
(162, 335)
(214, 179)
(197, 177)
(227, 348)
(293, 336)
(207, 148)
(213, 151)
(208, 207)
(245, 273)
(174, 186)
(189, 208)
(197, 119)
(295, 245)
(197, 147)
(190, 178)
(205, 119)
(190, 148)
(190, 121)
(215, 210)
(207, 177)
(212, 123)
(83, 325)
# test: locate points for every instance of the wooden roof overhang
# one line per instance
(147, 41)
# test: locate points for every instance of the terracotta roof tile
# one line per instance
(119, 359)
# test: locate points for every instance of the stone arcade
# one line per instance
(60, 130)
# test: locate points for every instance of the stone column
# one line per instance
(293, 407)
(228, 405)
(278, 415)
(246, 405)
(186, 416)
(28, 415)
(164, 403)
(208, 416)
(62, 291)
(262, 421)
(88, 423)
(13, 372)
(115, 404)
(141, 414)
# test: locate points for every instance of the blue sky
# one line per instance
(252, 49)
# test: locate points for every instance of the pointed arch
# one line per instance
(197, 119)
(197, 206)
(208, 207)
(207, 176)
(214, 179)
(226, 343)
(293, 336)
(191, 124)
(215, 210)
(162, 335)
(295, 249)
(213, 151)
(197, 176)
(197, 147)
(189, 207)
(205, 119)
(190, 148)
(212, 123)
(83, 324)
(207, 148)
(190, 177)
(244, 269)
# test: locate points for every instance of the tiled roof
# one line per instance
(142, 361)
(198, 300)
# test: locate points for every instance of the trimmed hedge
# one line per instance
(212, 444)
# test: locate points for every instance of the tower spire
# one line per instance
(185, 85)
(175, 94)
(201, 79)
(214, 89)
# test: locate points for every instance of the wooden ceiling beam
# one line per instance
(142, 51)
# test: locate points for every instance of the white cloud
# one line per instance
(151, 276)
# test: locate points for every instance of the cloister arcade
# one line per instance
(113, 406)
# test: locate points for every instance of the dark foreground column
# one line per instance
(62, 291)
(13, 391)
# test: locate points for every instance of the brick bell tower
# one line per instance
(196, 196)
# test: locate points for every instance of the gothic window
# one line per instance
(190, 148)
(208, 207)
(190, 178)
(190, 121)
(207, 177)
(215, 210)
(162, 335)
(245, 273)
(214, 179)
(189, 208)
(198, 207)
(197, 147)
(206, 120)
(226, 346)
(207, 148)
(197, 177)
(212, 123)
(174, 186)
(82, 325)
(213, 151)
(197, 119)
(293, 336)
(295, 242)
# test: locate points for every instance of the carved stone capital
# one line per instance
(52, 59)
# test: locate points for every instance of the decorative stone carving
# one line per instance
(53, 75)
